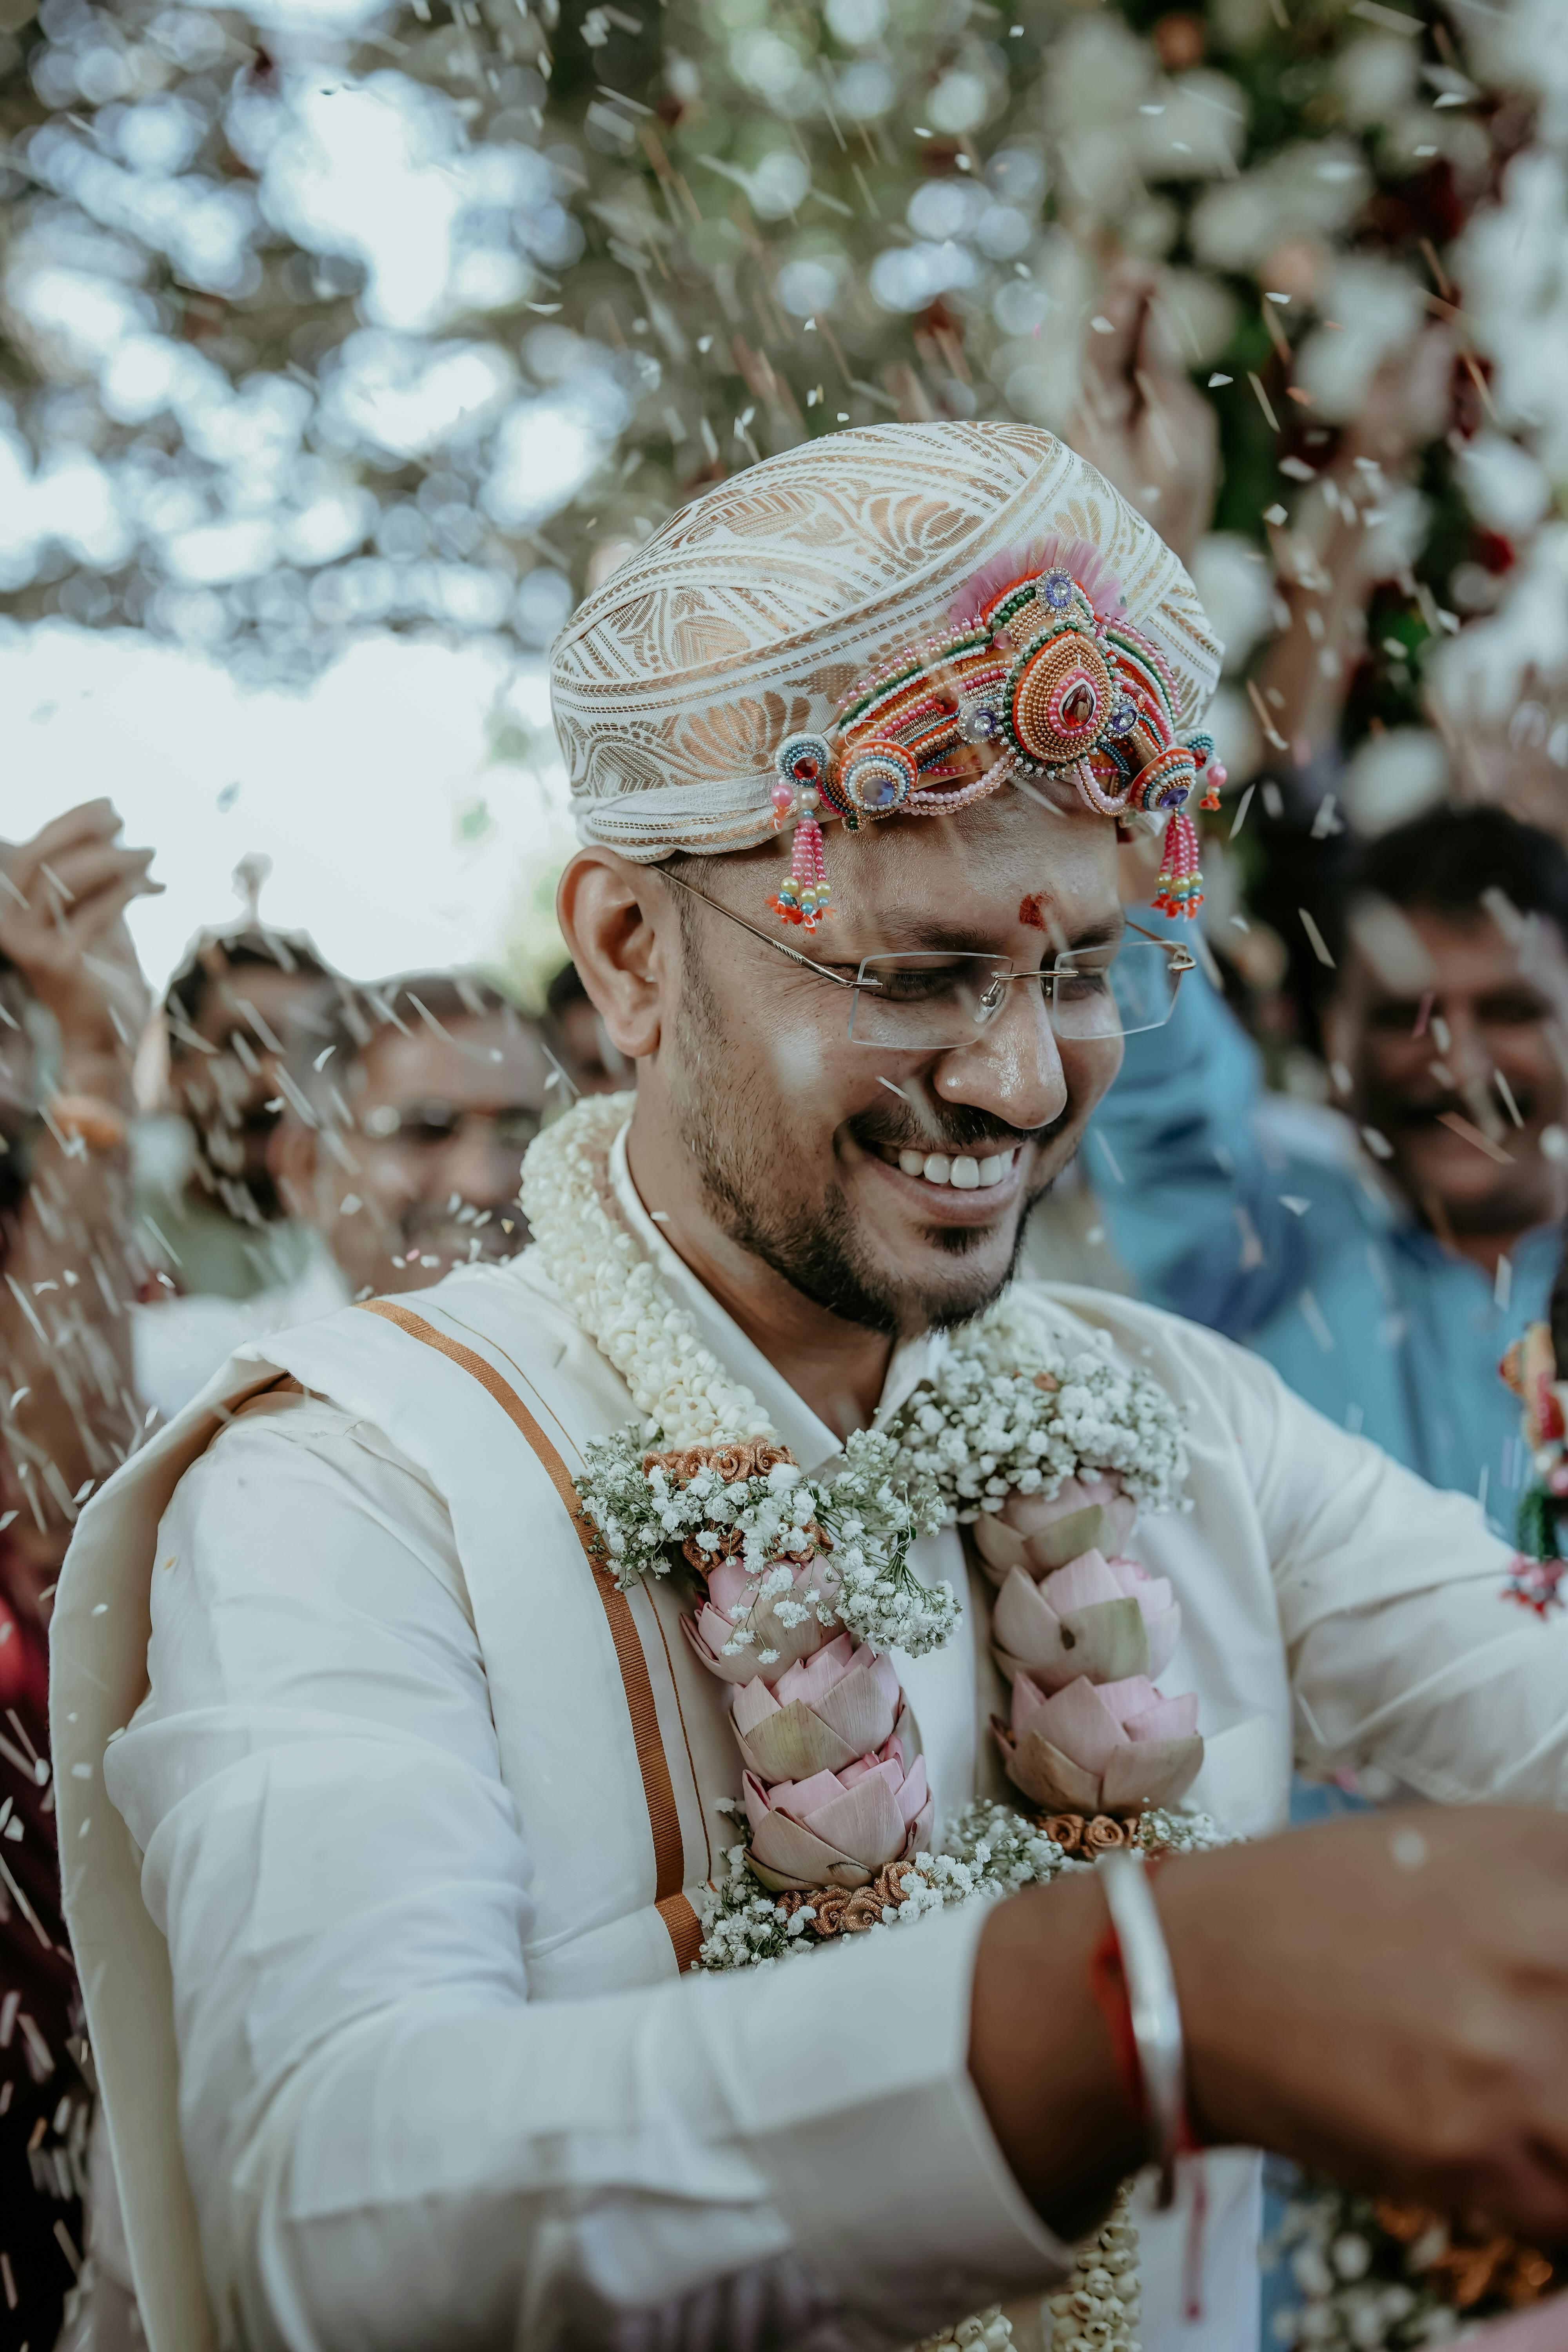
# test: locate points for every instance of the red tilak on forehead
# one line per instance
(1031, 915)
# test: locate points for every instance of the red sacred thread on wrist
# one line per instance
(1109, 1985)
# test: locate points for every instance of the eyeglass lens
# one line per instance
(921, 1001)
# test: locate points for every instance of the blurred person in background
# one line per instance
(1378, 1255)
(229, 1262)
(205, 1177)
(576, 1031)
(1384, 1267)
(405, 1129)
(72, 1003)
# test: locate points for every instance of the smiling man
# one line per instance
(1382, 1260)
(477, 1619)
(412, 1105)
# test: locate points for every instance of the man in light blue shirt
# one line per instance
(1381, 1260)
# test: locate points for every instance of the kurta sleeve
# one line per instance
(1406, 1648)
(388, 2143)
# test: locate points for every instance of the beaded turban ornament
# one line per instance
(897, 621)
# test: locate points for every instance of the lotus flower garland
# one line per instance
(834, 1786)
(804, 1579)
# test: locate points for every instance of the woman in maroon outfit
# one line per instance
(71, 1007)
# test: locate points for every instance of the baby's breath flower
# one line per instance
(1004, 1412)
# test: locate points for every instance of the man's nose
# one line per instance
(1469, 1054)
(1014, 1068)
(473, 1165)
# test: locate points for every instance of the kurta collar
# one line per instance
(808, 1438)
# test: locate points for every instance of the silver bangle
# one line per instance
(1155, 2012)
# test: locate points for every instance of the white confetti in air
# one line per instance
(1320, 946)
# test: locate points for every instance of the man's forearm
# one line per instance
(1041, 2056)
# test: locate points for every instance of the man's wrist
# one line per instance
(1042, 2056)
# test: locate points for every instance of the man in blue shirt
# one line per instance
(1381, 1261)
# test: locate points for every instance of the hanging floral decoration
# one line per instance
(1530, 1369)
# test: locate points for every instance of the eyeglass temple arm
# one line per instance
(1182, 958)
(783, 947)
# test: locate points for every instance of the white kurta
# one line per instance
(440, 2081)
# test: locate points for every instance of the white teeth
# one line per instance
(967, 1173)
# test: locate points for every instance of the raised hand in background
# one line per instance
(1139, 418)
(72, 1006)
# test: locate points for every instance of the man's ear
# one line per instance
(618, 924)
(295, 1164)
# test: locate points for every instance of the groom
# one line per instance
(386, 1853)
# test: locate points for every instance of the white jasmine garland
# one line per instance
(617, 1295)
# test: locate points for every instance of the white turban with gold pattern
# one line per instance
(757, 608)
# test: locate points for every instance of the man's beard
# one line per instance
(816, 1246)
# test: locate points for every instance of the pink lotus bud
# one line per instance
(1115, 1748)
(1084, 1515)
(821, 1714)
(839, 1829)
(713, 1626)
(1099, 1619)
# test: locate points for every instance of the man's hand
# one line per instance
(1384, 2000)
(63, 897)
(1141, 418)
(1387, 2001)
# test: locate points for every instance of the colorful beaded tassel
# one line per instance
(802, 897)
(1181, 891)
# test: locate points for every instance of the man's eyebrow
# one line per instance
(922, 930)
(1107, 931)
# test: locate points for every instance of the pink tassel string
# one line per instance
(1181, 891)
(803, 896)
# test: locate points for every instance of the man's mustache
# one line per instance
(431, 1226)
(953, 1130)
(1422, 1109)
